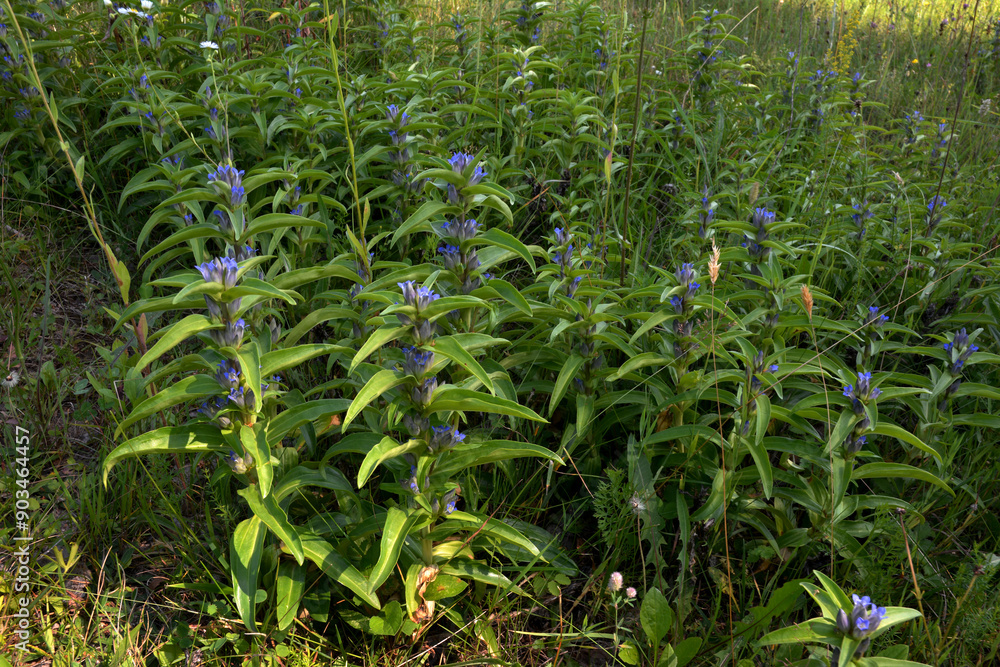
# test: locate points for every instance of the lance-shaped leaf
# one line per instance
(189, 389)
(448, 347)
(176, 334)
(376, 340)
(300, 477)
(194, 438)
(501, 239)
(199, 231)
(245, 552)
(456, 399)
(335, 566)
(883, 469)
(567, 374)
(278, 360)
(394, 533)
(491, 451)
(271, 221)
(305, 413)
(254, 441)
(268, 511)
(383, 451)
(289, 589)
(379, 383)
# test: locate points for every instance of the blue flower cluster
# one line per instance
(228, 181)
(864, 619)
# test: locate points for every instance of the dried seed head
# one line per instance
(754, 192)
(807, 301)
(713, 263)
(899, 179)
(11, 380)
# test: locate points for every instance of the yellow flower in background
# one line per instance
(916, 61)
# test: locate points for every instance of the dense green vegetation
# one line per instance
(518, 334)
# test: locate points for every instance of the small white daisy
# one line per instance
(146, 5)
(210, 45)
(11, 380)
(107, 3)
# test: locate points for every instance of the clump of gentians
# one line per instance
(871, 330)
(958, 350)
(940, 143)
(706, 215)
(753, 387)
(860, 395)
(465, 164)
(911, 129)
(588, 349)
(859, 623)
(418, 366)
(860, 216)
(935, 211)
(705, 73)
(683, 324)
(458, 255)
(562, 256)
(754, 244)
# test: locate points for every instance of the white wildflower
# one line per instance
(616, 582)
(210, 45)
(147, 5)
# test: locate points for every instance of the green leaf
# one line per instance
(422, 214)
(317, 317)
(199, 231)
(686, 650)
(244, 559)
(274, 517)
(278, 360)
(305, 413)
(444, 586)
(495, 528)
(893, 431)
(300, 477)
(497, 237)
(379, 383)
(448, 347)
(383, 451)
(256, 286)
(290, 587)
(249, 358)
(465, 569)
(378, 338)
(334, 565)
(567, 374)
(194, 438)
(804, 632)
(511, 295)
(254, 441)
(456, 399)
(179, 332)
(882, 469)
(271, 221)
(656, 616)
(394, 533)
(879, 661)
(190, 389)
(491, 451)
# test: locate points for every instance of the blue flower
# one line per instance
(417, 296)
(416, 362)
(221, 270)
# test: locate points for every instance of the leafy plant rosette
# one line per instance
(848, 626)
